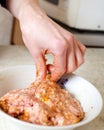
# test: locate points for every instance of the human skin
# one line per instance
(42, 35)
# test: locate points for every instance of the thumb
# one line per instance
(41, 69)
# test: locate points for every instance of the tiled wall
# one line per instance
(6, 22)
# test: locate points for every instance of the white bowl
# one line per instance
(22, 76)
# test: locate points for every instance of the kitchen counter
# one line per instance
(92, 70)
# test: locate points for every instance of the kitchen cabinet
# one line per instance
(16, 35)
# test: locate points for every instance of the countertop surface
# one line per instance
(92, 70)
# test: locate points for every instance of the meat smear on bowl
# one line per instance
(43, 103)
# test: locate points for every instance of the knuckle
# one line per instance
(60, 45)
(70, 38)
(84, 49)
(80, 62)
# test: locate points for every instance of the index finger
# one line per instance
(59, 65)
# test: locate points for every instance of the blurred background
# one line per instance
(83, 18)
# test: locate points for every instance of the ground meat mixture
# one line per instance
(44, 103)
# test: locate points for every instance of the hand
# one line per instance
(41, 35)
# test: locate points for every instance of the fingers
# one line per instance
(78, 54)
(81, 47)
(58, 69)
(59, 64)
(76, 51)
(75, 56)
(41, 68)
(71, 59)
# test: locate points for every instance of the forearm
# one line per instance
(17, 6)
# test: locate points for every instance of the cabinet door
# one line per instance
(16, 35)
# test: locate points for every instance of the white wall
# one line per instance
(6, 20)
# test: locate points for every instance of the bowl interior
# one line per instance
(85, 92)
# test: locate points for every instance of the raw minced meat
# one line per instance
(43, 103)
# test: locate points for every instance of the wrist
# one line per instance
(17, 7)
(30, 11)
